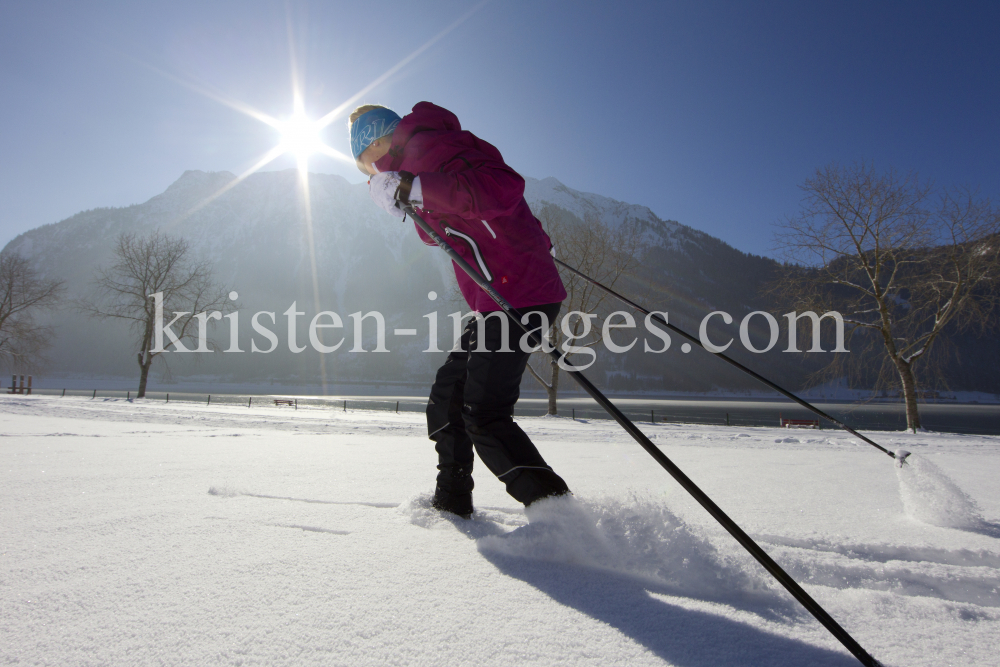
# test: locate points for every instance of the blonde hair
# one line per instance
(361, 111)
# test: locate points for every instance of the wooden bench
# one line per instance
(286, 401)
(799, 423)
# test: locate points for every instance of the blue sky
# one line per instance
(710, 113)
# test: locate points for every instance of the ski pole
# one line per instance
(731, 526)
(733, 362)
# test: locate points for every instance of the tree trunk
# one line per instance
(143, 375)
(909, 395)
(553, 388)
(145, 358)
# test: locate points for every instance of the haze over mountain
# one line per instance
(257, 236)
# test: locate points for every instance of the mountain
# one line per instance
(263, 241)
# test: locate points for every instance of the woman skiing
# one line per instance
(464, 190)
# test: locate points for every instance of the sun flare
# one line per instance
(300, 135)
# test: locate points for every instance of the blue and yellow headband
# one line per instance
(370, 126)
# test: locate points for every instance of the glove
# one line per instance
(389, 188)
(382, 187)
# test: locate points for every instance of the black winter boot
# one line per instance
(456, 503)
(454, 490)
(532, 485)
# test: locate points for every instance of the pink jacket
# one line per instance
(476, 202)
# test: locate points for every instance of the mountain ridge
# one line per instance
(263, 242)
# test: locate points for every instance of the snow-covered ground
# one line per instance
(180, 534)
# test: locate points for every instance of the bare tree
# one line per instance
(22, 294)
(898, 259)
(156, 264)
(601, 251)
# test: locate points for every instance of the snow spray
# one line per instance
(641, 539)
(931, 497)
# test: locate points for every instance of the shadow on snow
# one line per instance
(684, 637)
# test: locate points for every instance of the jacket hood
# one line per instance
(425, 116)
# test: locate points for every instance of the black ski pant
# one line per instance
(472, 405)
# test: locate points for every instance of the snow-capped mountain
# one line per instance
(264, 242)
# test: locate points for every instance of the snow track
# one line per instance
(144, 533)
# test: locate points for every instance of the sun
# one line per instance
(300, 135)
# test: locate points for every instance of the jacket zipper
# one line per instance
(475, 250)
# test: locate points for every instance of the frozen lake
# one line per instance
(947, 416)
